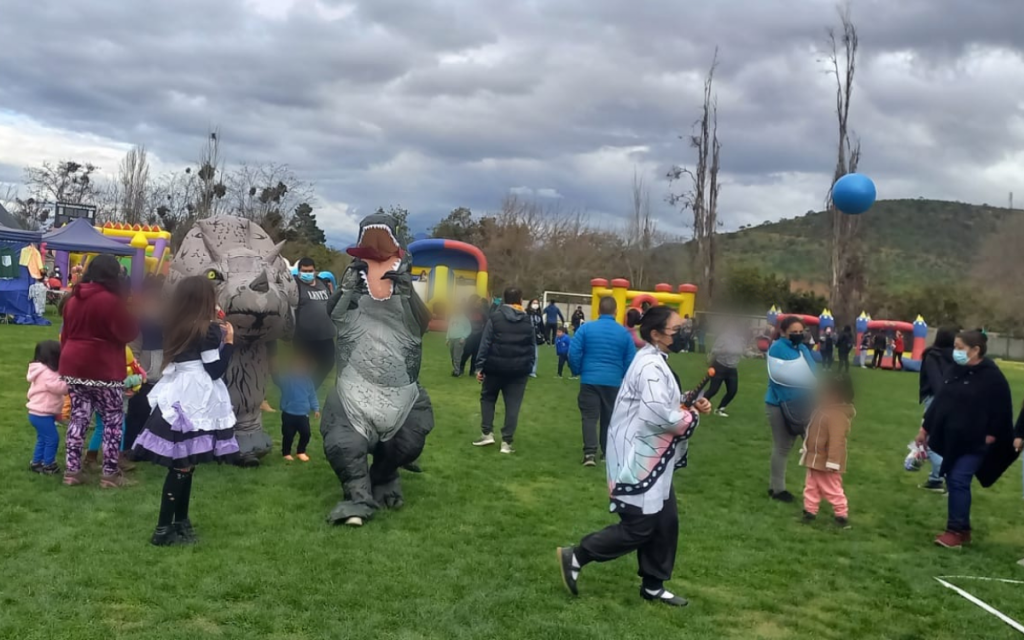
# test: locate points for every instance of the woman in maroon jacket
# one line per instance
(97, 328)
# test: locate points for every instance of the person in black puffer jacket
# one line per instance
(508, 353)
(936, 365)
(970, 424)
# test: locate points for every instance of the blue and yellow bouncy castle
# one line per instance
(447, 272)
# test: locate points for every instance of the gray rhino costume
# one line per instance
(257, 293)
(377, 406)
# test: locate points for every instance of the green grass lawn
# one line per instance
(472, 553)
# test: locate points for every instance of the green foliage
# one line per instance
(749, 290)
(303, 226)
(401, 216)
(76, 562)
(458, 225)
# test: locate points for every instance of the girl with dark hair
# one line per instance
(647, 440)
(936, 364)
(97, 329)
(45, 398)
(791, 382)
(969, 424)
(192, 419)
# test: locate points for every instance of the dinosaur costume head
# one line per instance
(256, 292)
(380, 249)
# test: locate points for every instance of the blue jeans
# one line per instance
(97, 435)
(958, 483)
(46, 439)
(536, 356)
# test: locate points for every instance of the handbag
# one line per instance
(797, 414)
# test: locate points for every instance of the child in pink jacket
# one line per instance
(45, 400)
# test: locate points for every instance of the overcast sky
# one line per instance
(434, 104)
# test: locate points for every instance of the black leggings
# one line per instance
(731, 377)
(897, 360)
(844, 362)
(175, 498)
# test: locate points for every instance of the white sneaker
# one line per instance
(485, 439)
(354, 521)
(721, 413)
(507, 448)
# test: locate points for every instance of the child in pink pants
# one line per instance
(824, 450)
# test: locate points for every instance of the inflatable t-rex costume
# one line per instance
(377, 406)
(257, 293)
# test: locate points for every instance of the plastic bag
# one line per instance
(915, 457)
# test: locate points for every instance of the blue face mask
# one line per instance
(960, 356)
(307, 277)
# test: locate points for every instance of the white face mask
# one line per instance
(535, 306)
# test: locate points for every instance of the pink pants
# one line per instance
(828, 484)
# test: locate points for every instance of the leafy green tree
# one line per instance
(401, 216)
(303, 226)
(457, 225)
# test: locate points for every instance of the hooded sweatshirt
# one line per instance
(508, 345)
(97, 328)
(46, 390)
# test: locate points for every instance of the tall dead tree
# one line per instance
(702, 198)
(847, 277)
(641, 233)
(133, 185)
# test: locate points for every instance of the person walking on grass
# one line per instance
(936, 365)
(298, 400)
(844, 345)
(791, 383)
(827, 349)
(97, 329)
(824, 450)
(600, 353)
(46, 393)
(970, 424)
(562, 344)
(508, 353)
(577, 319)
(880, 344)
(726, 353)
(478, 311)
(192, 420)
(553, 319)
(314, 329)
(897, 351)
(458, 331)
(648, 439)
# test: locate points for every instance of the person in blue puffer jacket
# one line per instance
(600, 354)
(791, 381)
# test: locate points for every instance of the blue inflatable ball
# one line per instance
(854, 193)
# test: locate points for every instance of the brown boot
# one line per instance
(124, 463)
(90, 461)
(115, 481)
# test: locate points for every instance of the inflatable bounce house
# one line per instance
(918, 329)
(822, 322)
(683, 298)
(446, 272)
(142, 249)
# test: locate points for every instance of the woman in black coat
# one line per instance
(936, 365)
(970, 424)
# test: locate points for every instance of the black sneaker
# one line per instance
(781, 496)
(842, 523)
(589, 460)
(665, 597)
(185, 533)
(36, 467)
(164, 537)
(49, 469)
(938, 486)
(809, 517)
(565, 565)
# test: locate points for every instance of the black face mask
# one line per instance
(678, 342)
(796, 339)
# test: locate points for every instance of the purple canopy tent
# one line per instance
(14, 298)
(79, 236)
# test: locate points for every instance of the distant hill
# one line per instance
(910, 243)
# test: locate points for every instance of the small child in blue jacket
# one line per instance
(562, 342)
(298, 400)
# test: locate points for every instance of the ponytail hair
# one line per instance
(975, 338)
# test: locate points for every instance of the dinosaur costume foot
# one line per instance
(348, 512)
(253, 444)
(389, 494)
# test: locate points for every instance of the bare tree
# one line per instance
(702, 198)
(641, 233)
(211, 179)
(847, 275)
(133, 186)
(267, 194)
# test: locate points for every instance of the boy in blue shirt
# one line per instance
(562, 343)
(298, 400)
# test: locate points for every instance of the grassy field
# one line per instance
(472, 554)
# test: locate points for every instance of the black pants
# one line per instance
(844, 362)
(321, 352)
(827, 360)
(291, 425)
(512, 390)
(654, 537)
(897, 358)
(731, 377)
(562, 359)
(469, 353)
(136, 415)
(551, 332)
(596, 403)
(876, 360)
